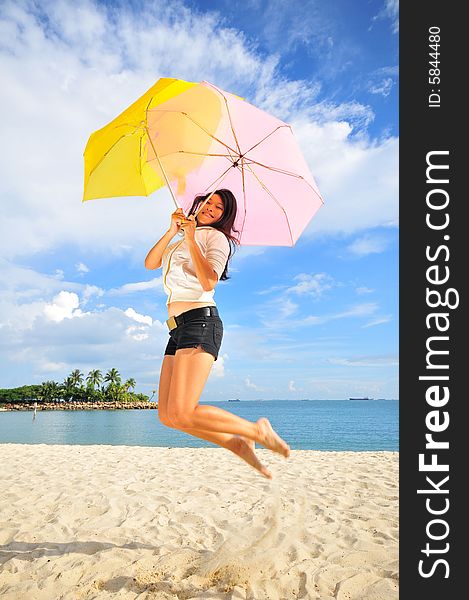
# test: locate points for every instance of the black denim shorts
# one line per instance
(203, 331)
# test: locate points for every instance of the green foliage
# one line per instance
(76, 388)
(25, 393)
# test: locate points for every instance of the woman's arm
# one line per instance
(206, 275)
(203, 269)
(154, 257)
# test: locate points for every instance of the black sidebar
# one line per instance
(434, 236)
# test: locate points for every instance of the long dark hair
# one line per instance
(226, 223)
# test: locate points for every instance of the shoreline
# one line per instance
(8, 407)
(151, 522)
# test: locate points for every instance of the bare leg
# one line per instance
(222, 439)
(238, 445)
(191, 368)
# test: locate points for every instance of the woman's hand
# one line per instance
(189, 225)
(176, 219)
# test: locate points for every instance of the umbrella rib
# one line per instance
(161, 167)
(136, 127)
(140, 163)
(214, 184)
(219, 179)
(244, 195)
(231, 123)
(229, 115)
(276, 169)
(283, 172)
(211, 134)
(198, 125)
(267, 136)
(196, 154)
(109, 150)
(264, 187)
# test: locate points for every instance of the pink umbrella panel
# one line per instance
(243, 149)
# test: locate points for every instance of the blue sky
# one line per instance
(319, 320)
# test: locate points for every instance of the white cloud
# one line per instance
(305, 27)
(273, 288)
(358, 178)
(26, 282)
(291, 386)
(51, 367)
(378, 321)
(101, 340)
(368, 244)
(133, 314)
(308, 284)
(138, 286)
(366, 361)
(382, 88)
(218, 368)
(137, 333)
(252, 386)
(358, 310)
(282, 307)
(382, 80)
(82, 268)
(19, 316)
(64, 306)
(313, 285)
(91, 290)
(42, 338)
(390, 10)
(364, 290)
(28, 294)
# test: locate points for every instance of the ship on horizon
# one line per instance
(364, 398)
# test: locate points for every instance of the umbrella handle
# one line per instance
(162, 169)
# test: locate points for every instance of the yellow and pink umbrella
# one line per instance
(203, 138)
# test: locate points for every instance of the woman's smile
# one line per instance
(212, 211)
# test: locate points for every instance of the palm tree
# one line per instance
(68, 388)
(113, 379)
(76, 383)
(94, 378)
(130, 384)
(112, 376)
(45, 390)
(54, 388)
(76, 378)
(126, 387)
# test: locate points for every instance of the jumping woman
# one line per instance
(192, 268)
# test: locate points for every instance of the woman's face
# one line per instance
(212, 211)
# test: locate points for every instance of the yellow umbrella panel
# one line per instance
(116, 155)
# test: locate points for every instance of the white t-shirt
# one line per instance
(179, 278)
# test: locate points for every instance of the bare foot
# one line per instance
(244, 448)
(271, 440)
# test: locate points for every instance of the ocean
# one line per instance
(334, 425)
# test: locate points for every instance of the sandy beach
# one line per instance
(83, 522)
